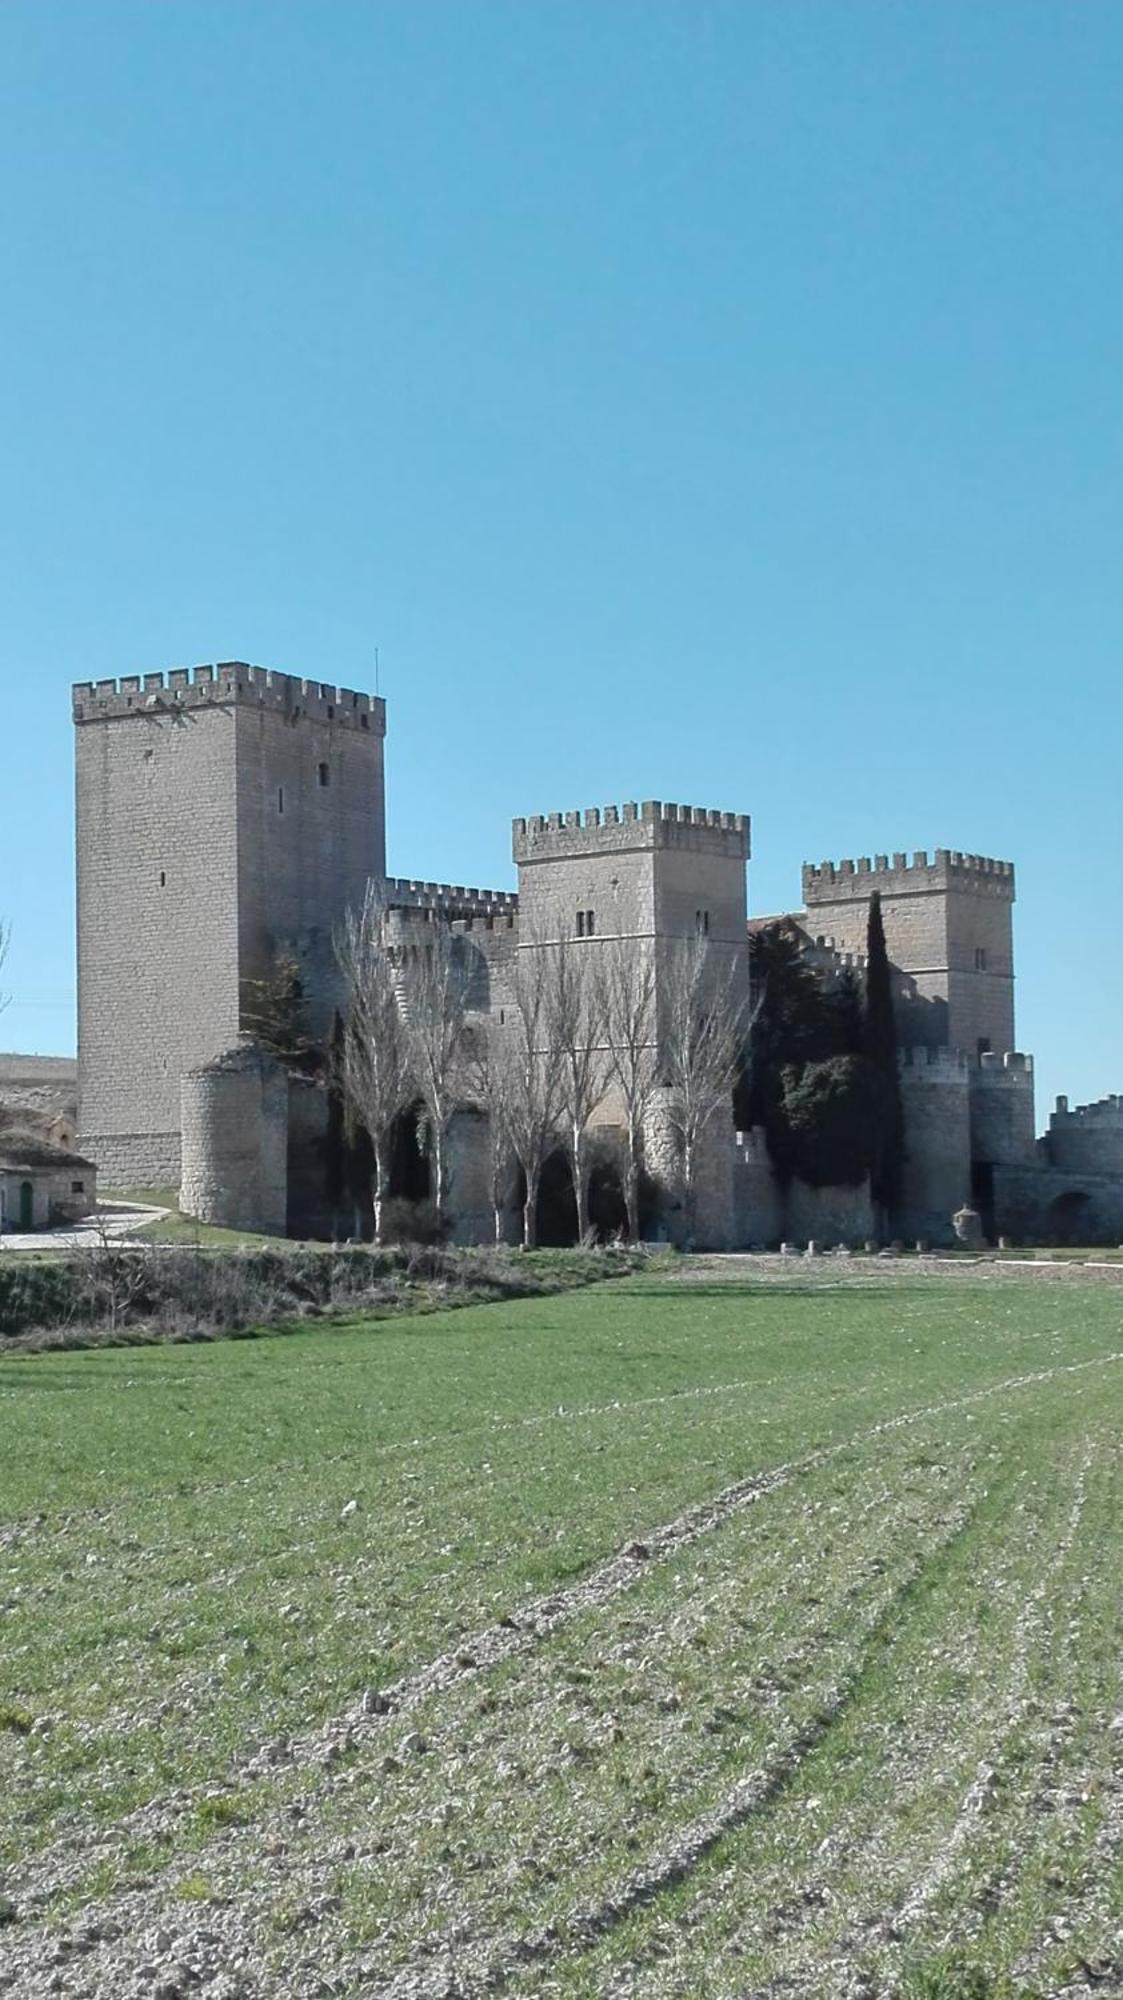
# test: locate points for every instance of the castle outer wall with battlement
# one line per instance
(228, 815)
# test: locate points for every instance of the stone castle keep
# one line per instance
(228, 815)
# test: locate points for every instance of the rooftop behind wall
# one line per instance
(231, 681)
(853, 881)
(616, 829)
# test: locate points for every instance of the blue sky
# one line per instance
(715, 402)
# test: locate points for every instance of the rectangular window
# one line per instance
(280, 798)
(580, 923)
(702, 922)
(325, 774)
(590, 923)
(77, 1187)
(980, 958)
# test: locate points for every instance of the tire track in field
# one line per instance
(980, 1793)
(872, 1915)
(113, 1941)
(59, 1866)
(495, 1960)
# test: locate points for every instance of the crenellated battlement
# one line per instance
(232, 681)
(1010, 1071)
(631, 827)
(835, 881)
(933, 1065)
(449, 900)
(1106, 1115)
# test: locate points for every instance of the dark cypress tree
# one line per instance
(880, 1040)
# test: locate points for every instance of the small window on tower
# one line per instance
(580, 923)
(325, 774)
(702, 922)
(280, 798)
(590, 923)
(163, 879)
(980, 958)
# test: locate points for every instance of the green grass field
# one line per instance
(704, 1634)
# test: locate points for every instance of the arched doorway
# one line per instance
(26, 1205)
(409, 1162)
(608, 1210)
(557, 1205)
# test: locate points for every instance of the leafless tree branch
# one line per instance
(377, 1077)
(704, 1021)
(626, 1007)
(573, 1020)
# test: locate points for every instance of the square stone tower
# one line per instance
(648, 872)
(948, 924)
(222, 815)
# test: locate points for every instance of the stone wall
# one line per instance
(828, 1216)
(235, 1121)
(1040, 1204)
(310, 832)
(1087, 1139)
(758, 1203)
(936, 1180)
(1002, 1118)
(714, 1224)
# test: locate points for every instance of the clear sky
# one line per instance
(714, 402)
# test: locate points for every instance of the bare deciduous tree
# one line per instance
(531, 1076)
(574, 1029)
(376, 1073)
(626, 1005)
(702, 1027)
(432, 984)
(488, 1072)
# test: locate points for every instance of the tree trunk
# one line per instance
(631, 1194)
(530, 1213)
(688, 1192)
(580, 1183)
(439, 1191)
(378, 1186)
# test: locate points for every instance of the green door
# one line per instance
(26, 1205)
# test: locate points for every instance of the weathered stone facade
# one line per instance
(229, 815)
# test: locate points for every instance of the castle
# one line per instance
(228, 814)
